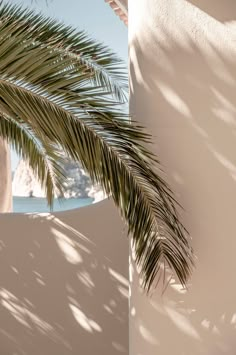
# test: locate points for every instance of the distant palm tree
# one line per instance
(62, 91)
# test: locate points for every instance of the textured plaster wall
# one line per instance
(183, 87)
(63, 283)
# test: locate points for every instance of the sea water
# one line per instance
(36, 204)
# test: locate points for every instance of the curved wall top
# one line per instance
(63, 282)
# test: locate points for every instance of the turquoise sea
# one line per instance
(35, 204)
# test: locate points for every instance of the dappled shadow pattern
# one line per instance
(61, 291)
(185, 70)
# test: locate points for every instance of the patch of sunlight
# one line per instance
(207, 325)
(182, 323)
(148, 336)
(225, 162)
(70, 289)
(7, 295)
(41, 282)
(39, 278)
(233, 319)
(134, 268)
(23, 315)
(118, 347)
(85, 278)
(67, 246)
(14, 269)
(124, 291)
(16, 311)
(174, 100)
(67, 227)
(95, 326)
(131, 271)
(42, 326)
(108, 309)
(82, 247)
(133, 312)
(87, 324)
(118, 277)
(231, 25)
(29, 303)
(37, 273)
(73, 301)
(47, 329)
(225, 110)
(178, 287)
(136, 24)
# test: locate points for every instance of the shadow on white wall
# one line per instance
(183, 71)
(64, 291)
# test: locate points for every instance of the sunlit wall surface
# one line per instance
(182, 85)
(64, 287)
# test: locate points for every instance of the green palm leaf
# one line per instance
(106, 70)
(55, 87)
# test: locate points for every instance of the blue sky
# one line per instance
(94, 16)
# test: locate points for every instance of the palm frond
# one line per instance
(45, 88)
(105, 68)
(113, 160)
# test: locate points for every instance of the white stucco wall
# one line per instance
(63, 283)
(183, 87)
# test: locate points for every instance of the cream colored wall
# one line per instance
(63, 283)
(183, 87)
